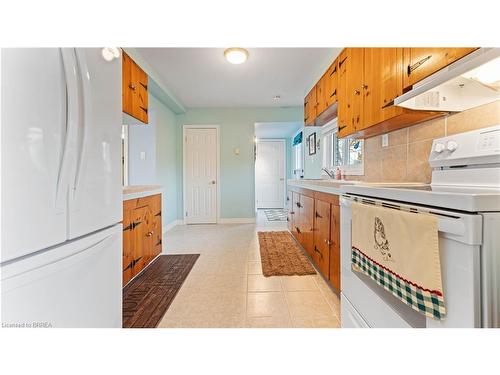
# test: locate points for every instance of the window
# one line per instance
(346, 153)
(298, 156)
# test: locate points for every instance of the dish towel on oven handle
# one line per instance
(399, 250)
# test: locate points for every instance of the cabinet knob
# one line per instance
(131, 86)
(363, 86)
(357, 92)
(149, 234)
(328, 242)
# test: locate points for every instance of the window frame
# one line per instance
(328, 136)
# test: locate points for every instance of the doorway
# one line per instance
(201, 174)
(270, 167)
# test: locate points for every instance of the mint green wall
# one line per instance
(237, 172)
(312, 163)
(167, 157)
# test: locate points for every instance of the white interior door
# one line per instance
(33, 120)
(200, 175)
(270, 174)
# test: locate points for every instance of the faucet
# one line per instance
(329, 173)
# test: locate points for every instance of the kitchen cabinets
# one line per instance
(310, 107)
(134, 89)
(142, 234)
(364, 82)
(420, 63)
(314, 222)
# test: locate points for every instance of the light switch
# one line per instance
(385, 140)
(143, 155)
(236, 151)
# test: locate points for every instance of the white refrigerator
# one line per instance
(61, 193)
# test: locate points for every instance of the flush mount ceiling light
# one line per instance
(110, 53)
(236, 55)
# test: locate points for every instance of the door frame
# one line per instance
(261, 140)
(184, 128)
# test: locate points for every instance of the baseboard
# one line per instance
(172, 224)
(236, 220)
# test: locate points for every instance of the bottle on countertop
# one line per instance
(338, 174)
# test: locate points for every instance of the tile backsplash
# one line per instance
(405, 157)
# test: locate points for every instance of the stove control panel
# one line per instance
(476, 147)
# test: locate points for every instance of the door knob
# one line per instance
(212, 182)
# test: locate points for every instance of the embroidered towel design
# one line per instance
(400, 251)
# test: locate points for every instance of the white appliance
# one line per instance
(469, 82)
(61, 188)
(465, 197)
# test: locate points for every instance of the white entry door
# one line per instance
(270, 174)
(200, 175)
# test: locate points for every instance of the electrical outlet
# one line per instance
(385, 140)
(143, 155)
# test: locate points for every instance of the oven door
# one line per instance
(460, 238)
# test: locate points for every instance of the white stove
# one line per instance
(465, 196)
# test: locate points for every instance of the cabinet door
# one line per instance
(296, 216)
(382, 84)
(307, 223)
(355, 87)
(321, 90)
(142, 239)
(322, 236)
(290, 212)
(331, 84)
(128, 256)
(140, 97)
(335, 246)
(127, 92)
(157, 225)
(310, 107)
(422, 62)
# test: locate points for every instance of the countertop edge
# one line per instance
(320, 188)
(141, 194)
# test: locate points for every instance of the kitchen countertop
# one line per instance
(139, 191)
(322, 185)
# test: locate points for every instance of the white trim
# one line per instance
(217, 128)
(172, 224)
(281, 140)
(237, 220)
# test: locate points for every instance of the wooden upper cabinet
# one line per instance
(383, 68)
(134, 89)
(350, 87)
(310, 104)
(321, 90)
(331, 84)
(420, 63)
(344, 106)
(355, 84)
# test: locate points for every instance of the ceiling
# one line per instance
(276, 129)
(201, 77)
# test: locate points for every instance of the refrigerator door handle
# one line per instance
(85, 111)
(72, 119)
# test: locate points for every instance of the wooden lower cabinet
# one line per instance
(335, 246)
(315, 224)
(142, 234)
(307, 223)
(321, 254)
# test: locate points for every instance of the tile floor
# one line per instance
(226, 287)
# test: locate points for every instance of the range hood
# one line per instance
(472, 81)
